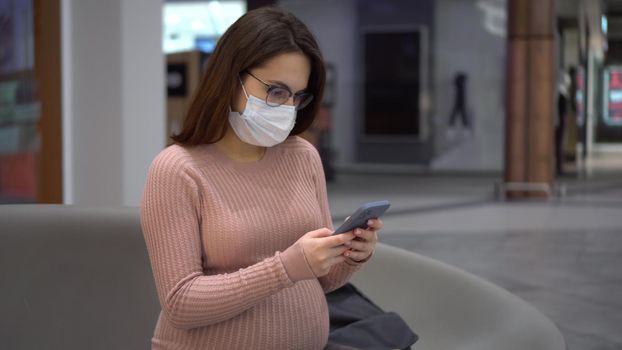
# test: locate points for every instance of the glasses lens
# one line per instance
(302, 100)
(277, 96)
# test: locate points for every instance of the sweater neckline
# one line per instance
(266, 160)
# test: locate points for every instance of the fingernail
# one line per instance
(347, 243)
(347, 253)
(357, 231)
(369, 222)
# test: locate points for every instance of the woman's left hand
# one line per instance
(363, 245)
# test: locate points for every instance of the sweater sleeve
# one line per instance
(340, 273)
(170, 219)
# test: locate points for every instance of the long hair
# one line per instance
(253, 39)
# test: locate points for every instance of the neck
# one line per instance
(240, 151)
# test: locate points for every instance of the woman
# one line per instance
(235, 214)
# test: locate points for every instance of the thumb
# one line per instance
(323, 232)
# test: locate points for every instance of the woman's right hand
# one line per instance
(322, 249)
(315, 253)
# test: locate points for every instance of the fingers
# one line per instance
(323, 232)
(337, 259)
(324, 249)
(357, 255)
(363, 245)
(365, 235)
(375, 224)
(357, 245)
(339, 239)
(321, 261)
(339, 250)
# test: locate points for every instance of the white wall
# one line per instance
(466, 42)
(113, 98)
(334, 25)
(144, 97)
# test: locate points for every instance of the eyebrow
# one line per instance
(278, 82)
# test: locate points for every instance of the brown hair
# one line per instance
(254, 38)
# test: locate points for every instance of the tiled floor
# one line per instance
(562, 256)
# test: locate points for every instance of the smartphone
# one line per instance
(358, 219)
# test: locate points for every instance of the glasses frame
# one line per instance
(308, 97)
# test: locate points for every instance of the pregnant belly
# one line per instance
(294, 318)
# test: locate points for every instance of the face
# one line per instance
(290, 70)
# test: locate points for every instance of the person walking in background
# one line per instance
(562, 108)
(459, 110)
(566, 91)
(566, 107)
(235, 214)
(460, 103)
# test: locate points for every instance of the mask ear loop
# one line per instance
(243, 89)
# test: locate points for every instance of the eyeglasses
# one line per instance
(277, 95)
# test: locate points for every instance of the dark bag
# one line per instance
(356, 322)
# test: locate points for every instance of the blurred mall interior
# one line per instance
(493, 126)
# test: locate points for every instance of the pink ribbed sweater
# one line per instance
(217, 233)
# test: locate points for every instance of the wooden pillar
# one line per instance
(48, 74)
(530, 98)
